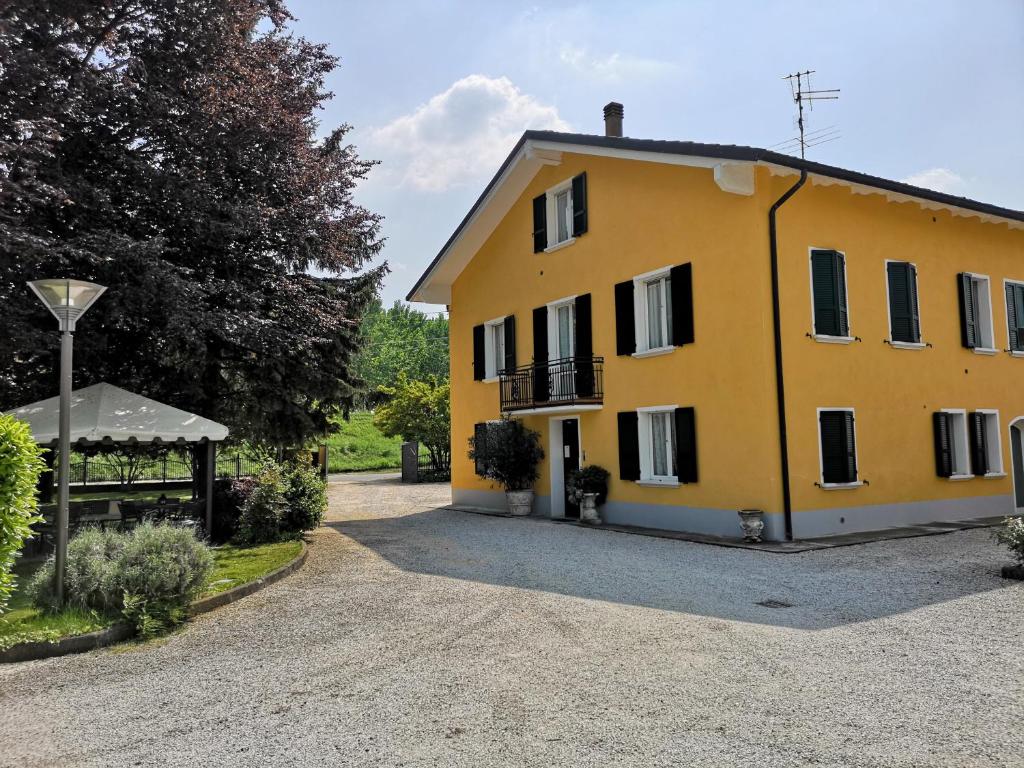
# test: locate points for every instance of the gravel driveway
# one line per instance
(416, 636)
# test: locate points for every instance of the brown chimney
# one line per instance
(613, 119)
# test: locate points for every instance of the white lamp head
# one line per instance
(66, 299)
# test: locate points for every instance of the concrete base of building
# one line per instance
(724, 523)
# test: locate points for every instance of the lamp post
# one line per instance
(67, 300)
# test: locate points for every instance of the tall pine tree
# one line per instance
(168, 149)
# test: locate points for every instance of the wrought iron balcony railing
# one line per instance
(552, 383)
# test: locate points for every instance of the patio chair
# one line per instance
(131, 514)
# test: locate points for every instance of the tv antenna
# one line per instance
(803, 91)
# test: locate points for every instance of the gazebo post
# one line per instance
(211, 472)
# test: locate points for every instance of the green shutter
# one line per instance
(904, 323)
(838, 447)
(579, 204)
(943, 444)
(686, 445)
(1015, 316)
(540, 224)
(629, 445)
(479, 354)
(979, 443)
(828, 285)
(968, 310)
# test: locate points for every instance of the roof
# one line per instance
(725, 152)
(103, 411)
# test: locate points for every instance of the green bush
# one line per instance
(1011, 534)
(149, 575)
(509, 454)
(306, 497)
(229, 497)
(589, 479)
(20, 467)
(263, 511)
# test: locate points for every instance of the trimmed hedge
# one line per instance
(21, 464)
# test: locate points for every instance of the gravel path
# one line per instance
(416, 636)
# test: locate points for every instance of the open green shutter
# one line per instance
(540, 224)
(625, 319)
(629, 445)
(479, 354)
(943, 444)
(579, 204)
(1015, 316)
(541, 388)
(686, 445)
(681, 282)
(510, 343)
(968, 310)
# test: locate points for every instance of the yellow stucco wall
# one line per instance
(643, 216)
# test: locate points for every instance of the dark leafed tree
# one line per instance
(168, 149)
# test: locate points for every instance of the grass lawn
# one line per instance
(150, 494)
(24, 623)
(360, 446)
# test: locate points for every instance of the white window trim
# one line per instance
(570, 301)
(994, 443)
(821, 456)
(963, 445)
(647, 478)
(640, 314)
(989, 350)
(919, 344)
(1007, 281)
(490, 364)
(824, 337)
(554, 243)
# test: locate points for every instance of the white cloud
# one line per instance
(938, 179)
(615, 67)
(462, 134)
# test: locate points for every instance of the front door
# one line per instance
(570, 460)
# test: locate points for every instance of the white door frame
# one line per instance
(558, 459)
(1019, 437)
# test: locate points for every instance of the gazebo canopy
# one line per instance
(104, 412)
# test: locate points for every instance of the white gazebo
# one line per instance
(110, 415)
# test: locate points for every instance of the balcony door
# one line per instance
(562, 349)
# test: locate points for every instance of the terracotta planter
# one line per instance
(752, 523)
(520, 503)
(588, 509)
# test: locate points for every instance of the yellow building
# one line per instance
(727, 328)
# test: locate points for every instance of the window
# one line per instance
(837, 442)
(986, 446)
(831, 314)
(560, 214)
(904, 316)
(975, 312)
(658, 445)
(494, 348)
(1015, 316)
(654, 312)
(952, 453)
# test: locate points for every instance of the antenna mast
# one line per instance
(800, 84)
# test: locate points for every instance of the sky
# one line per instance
(931, 92)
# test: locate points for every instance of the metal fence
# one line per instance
(104, 470)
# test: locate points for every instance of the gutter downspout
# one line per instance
(780, 387)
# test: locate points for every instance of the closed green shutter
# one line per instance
(540, 223)
(1015, 316)
(979, 443)
(629, 445)
(968, 310)
(943, 444)
(838, 447)
(828, 283)
(579, 204)
(904, 322)
(625, 319)
(686, 445)
(479, 354)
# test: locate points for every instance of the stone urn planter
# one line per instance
(588, 509)
(520, 503)
(752, 523)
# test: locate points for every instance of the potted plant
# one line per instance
(508, 452)
(1012, 535)
(588, 487)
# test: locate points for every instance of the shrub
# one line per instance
(589, 479)
(229, 497)
(306, 496)
(508, 453)
(420, 411)
(20, 467)
(263, 511)
(1011, 534)
(149, 575)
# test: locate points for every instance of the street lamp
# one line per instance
(68, 300)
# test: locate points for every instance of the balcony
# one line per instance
(566, 385)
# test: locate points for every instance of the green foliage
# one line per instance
(229, 497)
(421, 411)
(148, 575)
(510, 454)
(358, 445)
(20, 467)
(183, 165)
(589, 479)
(263, 510)
(306, 497)
(400, 340)
(1011, 535)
